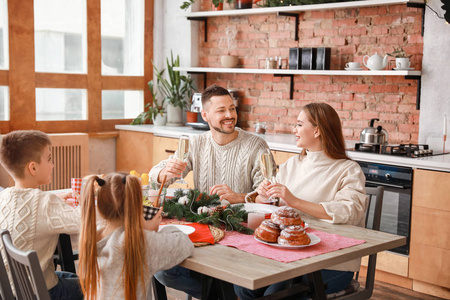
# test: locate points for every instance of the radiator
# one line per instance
(70, 155)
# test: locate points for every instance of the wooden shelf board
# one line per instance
(298, 8)
(299, 72)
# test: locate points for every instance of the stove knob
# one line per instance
(388, 176)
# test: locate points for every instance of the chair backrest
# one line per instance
(5, 286)
(26, 272)
(375, 194)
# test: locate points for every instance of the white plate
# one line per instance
(314, 240)
(183, 228)
(351, 69)
(259, 208)
(407, 69)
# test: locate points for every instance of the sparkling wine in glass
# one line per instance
(182, 153)
(268, 170)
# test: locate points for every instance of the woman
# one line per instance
(321, 182)
(118, 260)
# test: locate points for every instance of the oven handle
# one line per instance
(386, 184)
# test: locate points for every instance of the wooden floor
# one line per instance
(382, 291)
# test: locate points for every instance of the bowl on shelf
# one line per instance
(229, 61)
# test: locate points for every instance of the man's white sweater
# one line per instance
(235, 164)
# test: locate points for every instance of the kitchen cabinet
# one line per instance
(165, 147)
(430, 241)
(134, 151)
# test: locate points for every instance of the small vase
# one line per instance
(240, 4)
(174, 116)
(229, 61)
(191, 117)
(159, 120)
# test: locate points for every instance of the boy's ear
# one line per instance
(32, 168)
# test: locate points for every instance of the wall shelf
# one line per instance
(409, 75)
(300, 8)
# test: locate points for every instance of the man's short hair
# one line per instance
(211, 91)
(18, 148)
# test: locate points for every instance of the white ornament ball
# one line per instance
(183, 200)
(203, 209)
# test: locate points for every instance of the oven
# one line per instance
(396, 211)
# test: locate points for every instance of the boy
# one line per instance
(33, 217)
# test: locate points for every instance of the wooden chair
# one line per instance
(5, 286)
(26, 272)
(375, 195)
(64, 256)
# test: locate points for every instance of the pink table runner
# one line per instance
(329, 242)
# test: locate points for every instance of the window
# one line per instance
(60, 104)
(60, 36)
(4, 35)
(122, 104)
(122, 23)
(4, 103)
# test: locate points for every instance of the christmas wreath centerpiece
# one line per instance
(202, 208)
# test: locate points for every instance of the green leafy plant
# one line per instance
(152, 111)
(229, 216)
(187, 4)
(399, 53)
(177, 89)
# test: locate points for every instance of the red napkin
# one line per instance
(202, 234)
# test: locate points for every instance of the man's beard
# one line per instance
(223, 131)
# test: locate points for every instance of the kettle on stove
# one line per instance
(373, 136)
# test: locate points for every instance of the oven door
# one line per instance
(395, 214)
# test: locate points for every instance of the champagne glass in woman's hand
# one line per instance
(182, 153)
(268, 171)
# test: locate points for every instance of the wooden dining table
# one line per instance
(228, 265)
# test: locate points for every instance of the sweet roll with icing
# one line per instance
(294, 236)
(286, 216)
(268, 231)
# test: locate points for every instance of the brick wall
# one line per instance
(351, 34)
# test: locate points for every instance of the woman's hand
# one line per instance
(281, 191)
(262, 192)
(153, 224)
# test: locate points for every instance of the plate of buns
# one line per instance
(285, 229)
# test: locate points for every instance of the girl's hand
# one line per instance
(280, 191)
(263, 188)
(153, 224)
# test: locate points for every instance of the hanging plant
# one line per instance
(202, 208)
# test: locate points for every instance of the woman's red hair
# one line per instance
(328, 122)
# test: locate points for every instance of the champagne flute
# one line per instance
(182, 153)
(268, 171)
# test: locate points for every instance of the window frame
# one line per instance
(23, 80)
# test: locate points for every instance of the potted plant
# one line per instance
(401, 59)
(229, 40)
(176, 90)
(156, 112)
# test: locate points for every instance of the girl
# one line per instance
(118, 260)
(321, 182)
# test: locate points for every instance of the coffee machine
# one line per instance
(197, 107)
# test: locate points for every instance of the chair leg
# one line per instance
(188, 297)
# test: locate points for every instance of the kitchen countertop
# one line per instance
(286, 142)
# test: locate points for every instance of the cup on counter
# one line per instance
(353, 65)
(255, 219)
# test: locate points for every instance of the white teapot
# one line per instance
(375, 62)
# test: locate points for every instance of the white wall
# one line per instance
(435, 95)
(173, 32)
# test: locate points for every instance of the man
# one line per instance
(225, 160)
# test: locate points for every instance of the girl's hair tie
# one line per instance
(100, 181)
(124, 179)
